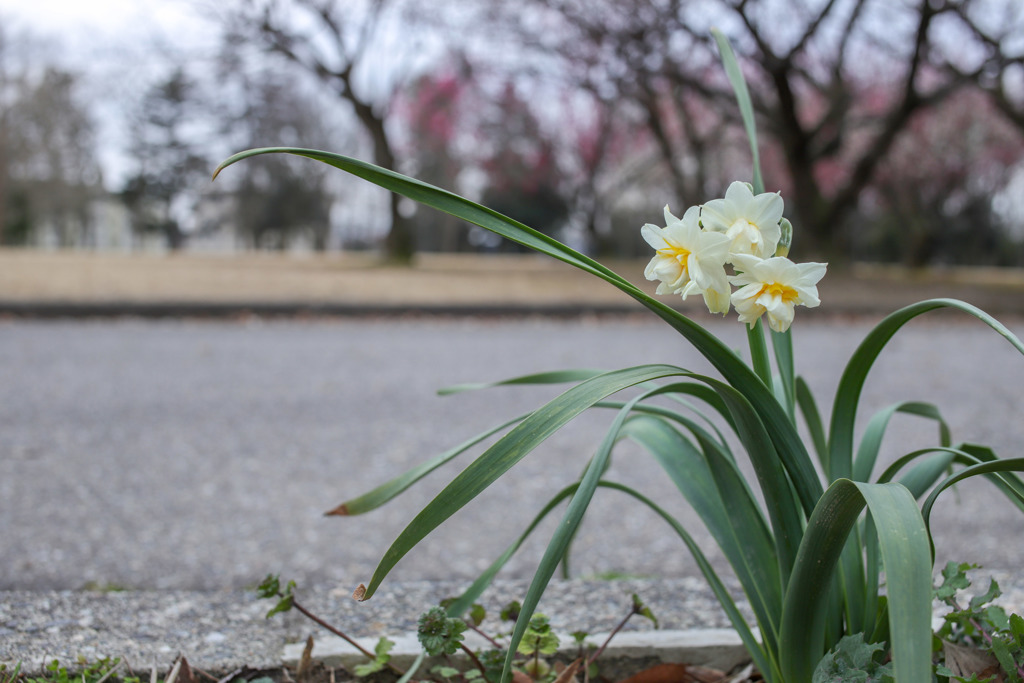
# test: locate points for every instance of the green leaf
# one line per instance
(789, 445)
(538, 637)
(643, 610)
(809, 408)
(283, 605)
(739, 529)
(438, 633)
(446, 671)
(270, 587)
(553, 377)
(996, 467)
(739, 86)
(844, 410)
(776, 481)
(389, 490)
(954, 578)
(761, 658)
(1017, 628)
(1005, 658)
(381, 650)
(509, 450)
(871, 441)
(906, 557)
(464, 602)
(852, 659)
(988, 596)
(567, 527)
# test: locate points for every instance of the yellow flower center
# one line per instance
(678, 252)
(784, 292)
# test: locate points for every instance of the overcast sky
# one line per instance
(92, 23)
(116, 46)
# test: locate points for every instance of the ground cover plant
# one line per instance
(811, 535)
(442, 636)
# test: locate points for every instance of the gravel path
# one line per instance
(200, 455)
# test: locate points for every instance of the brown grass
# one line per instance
(450, 279)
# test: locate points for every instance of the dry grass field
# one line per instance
(453, 280)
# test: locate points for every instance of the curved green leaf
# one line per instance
(812, 418)
(566, 529)
(922, 477)
(762, 659)
(446, 201)
(739, 86)
(552, 377)
(388, 490)
(738, 528)
(509, 450)
(906, 557)
(784, 510)
(987, 468)
(1012, 485)
(844, 410)
(871, 441)
(789, 445)
(473, 593)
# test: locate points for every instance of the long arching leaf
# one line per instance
(737, 526)
(906, 557)
(372, 500)
(995, 467)
(871, 441)
(762, 659)
(471, 594)
(844, 409)
(552, 377)
(509, 450)
(790, 447)
(566, 529)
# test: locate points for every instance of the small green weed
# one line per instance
(443, 636)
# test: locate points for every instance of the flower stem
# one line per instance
(309, 615)
(473, 658)
(759, 353)
(782, 343)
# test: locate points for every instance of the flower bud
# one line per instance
(785, 239)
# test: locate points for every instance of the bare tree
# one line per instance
(834, 82)
(170, 158)
(278, 198)
(353, 48)
(996, 61)
(48, 173)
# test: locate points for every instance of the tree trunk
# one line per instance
(400, 244)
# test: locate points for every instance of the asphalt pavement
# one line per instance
(201, 454)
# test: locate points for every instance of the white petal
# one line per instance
(766, 209)
(654, 236)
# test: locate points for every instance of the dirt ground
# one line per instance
(48, 277)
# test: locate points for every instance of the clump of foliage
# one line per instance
(442, 635)
(811, 534)
(979, 641)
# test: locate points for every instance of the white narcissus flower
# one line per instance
(688, 259)
(750, 222)
(774, 286)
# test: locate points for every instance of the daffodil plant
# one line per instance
(809, 550)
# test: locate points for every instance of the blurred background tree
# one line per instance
(170, 158)
(49, 175)
(835, 85)
(895, 131)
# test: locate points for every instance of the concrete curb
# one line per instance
(222, 631)
(719, 649)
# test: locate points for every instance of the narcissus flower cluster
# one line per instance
(746, 231)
